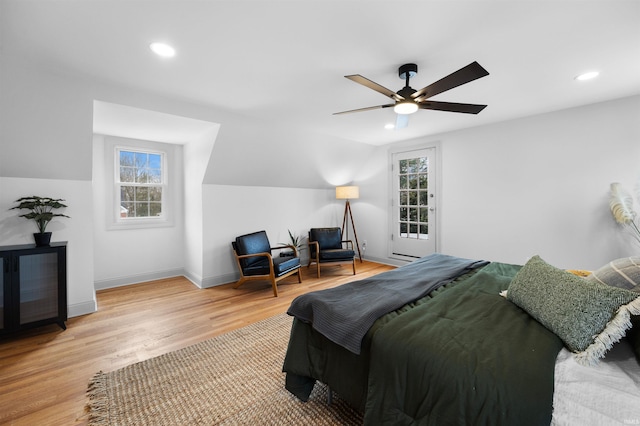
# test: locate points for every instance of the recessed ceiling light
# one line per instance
(389, 126)
(162, 49)
(587, 76)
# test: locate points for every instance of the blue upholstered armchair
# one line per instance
(255, 262)
(326, 247)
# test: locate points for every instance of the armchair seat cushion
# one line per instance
(282, 265)
(332, 255)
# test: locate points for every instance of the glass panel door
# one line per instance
(413, 216)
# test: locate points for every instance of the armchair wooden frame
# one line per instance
(314, 247)
(271, 277)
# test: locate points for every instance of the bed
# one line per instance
(462, 351)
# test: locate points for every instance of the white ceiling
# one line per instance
(285, 61)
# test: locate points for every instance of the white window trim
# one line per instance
(114, 221)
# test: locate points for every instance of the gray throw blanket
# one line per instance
(344, 314)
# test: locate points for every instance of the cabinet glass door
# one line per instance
(4, 285)
(38, 287)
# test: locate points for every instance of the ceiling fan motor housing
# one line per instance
(412, 69)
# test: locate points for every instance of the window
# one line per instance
(140, 183)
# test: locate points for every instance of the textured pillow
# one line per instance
(588, 316)
(621, 273)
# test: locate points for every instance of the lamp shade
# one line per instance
(347, 192)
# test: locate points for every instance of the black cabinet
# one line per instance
(34, 286)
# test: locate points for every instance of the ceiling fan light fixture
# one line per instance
(406, 107)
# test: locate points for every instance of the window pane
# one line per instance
(403, 213)
(403, 229)
(403, 182)
(424, 215)
(403, 166)
(127, 193)
(403, 198)
(413, 181)
(413, 198)
(155, 209)
(412, 165)
(154, 175)
(127, 210)
(424, 229)
(424, 199)
(126, 158)
(155, 161)
(142, 194)
(424, 164)
(155, 194)
(140, 159)
(413, 229)
(127, 174)
(142, 209)
(413, 215)
(424, 181)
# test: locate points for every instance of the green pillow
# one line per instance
(588, 316)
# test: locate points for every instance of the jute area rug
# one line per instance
(232, 379)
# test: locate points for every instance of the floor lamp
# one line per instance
(347, 193)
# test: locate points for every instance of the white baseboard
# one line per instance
(139, 278)
(84, 308)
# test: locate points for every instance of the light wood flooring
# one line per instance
(44, 373)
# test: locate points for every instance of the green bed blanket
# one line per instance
(462, 355)
(468, 357)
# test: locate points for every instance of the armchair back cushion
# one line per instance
(256, 242)
(330, 245)
(327, 238)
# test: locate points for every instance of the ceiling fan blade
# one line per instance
(374, 86)
(402, 121)
(452, 107)
(464, 75)
(364, 109)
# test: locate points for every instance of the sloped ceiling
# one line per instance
(284, 62)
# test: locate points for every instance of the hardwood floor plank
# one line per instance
(44, 372)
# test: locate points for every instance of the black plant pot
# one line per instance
(42, 238)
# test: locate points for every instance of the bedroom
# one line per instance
(530, 184)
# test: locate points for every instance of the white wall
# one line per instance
(230, 211)
(196, 159)
(537, 185)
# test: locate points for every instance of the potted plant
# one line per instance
(41, 212)
(294, 240)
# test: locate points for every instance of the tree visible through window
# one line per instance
(140, 181)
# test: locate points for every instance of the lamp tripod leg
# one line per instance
(347, 208)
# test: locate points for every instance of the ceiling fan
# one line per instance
(408, 100)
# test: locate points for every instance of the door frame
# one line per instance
(438, 193)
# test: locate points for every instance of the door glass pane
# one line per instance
(38, 287)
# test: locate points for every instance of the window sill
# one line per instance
(139, 224)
